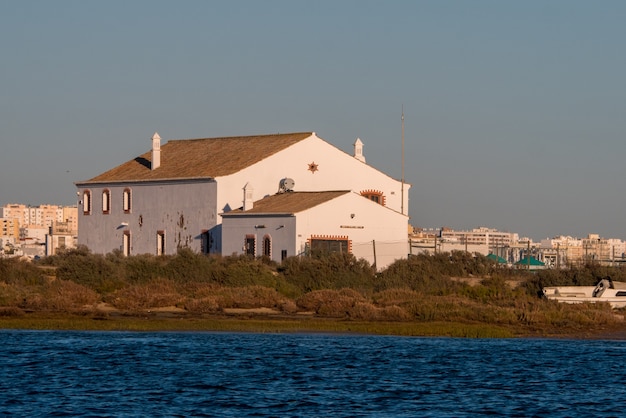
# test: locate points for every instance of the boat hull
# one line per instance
(613, 293)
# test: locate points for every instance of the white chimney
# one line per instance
(358, 150)
(156, 151)
(247, 197)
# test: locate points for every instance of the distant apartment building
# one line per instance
(563, 251)
(60, 235)
(42, 215)
(16, 212)
(489, 237)
(9, 228)
(30, 226)
(478, 240)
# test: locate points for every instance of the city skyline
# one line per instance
(511, 110)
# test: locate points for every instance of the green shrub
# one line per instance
(328, 271)
(91, 270)
(16, 271)
(419, 273)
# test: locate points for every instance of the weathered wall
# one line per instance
(182, 209)
(280, 229)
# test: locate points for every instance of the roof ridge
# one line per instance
(243, 136)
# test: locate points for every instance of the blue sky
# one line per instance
(514, 111)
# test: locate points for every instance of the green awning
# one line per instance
(533, 262)
(496, 258)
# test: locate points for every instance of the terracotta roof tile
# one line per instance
(202, 158)
(289, 202)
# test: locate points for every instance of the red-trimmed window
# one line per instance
(160, 249)
(126, 243)
(86, 202)
(267, 246)
(106, 201)
(375, 196)
(250, 245)
(330, 244)
(127, 200)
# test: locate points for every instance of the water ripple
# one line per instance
(94, 374)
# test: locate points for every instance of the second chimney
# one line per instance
(156, 151)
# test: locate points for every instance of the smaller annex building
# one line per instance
(291, 223)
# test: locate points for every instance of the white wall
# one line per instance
(372, 225)
(337, 170)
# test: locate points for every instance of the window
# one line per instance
(374, 196)
(267, 246)
(283, 254)
(160, 250)
(205, 242)
(330, 244)
(250, 245)
(127, 201)
(87, 202)
(106, 201)
(126, 243)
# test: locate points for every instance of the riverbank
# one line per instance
(452, 295)
(264, 321)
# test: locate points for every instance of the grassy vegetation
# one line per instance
(422, 295)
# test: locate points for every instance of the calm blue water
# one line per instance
(236, 375)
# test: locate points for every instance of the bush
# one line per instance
(419, 273)
(249, 297)
(328, 271)
(16, 271)
(334, 303)
(154, 294)
(395, 297)
(91, 270)
(60, 295)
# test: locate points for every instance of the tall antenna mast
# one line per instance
(402, 179)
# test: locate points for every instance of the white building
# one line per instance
(294, 223)
(176, 195)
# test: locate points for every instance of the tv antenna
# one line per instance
(402, 176)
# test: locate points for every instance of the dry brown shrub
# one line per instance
(208, 304)
(60, 295)
(11, 311)
(334, 303)
(395, 313)
(155, 294)
(199, 290)
(249, 297)
(396, 296)
(364, 310)
(11, 295)
(288, 306)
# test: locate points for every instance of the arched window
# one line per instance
(127, 200)
(374, 196)
(86, 202)
(250, 245)
(160, 250)
(106, 201)
(267, 246)
(126, 243)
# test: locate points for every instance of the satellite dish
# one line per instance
(286, 185)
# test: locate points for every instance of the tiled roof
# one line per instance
(202, 158)
(289, 202)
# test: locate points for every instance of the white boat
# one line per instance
(605, 291)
